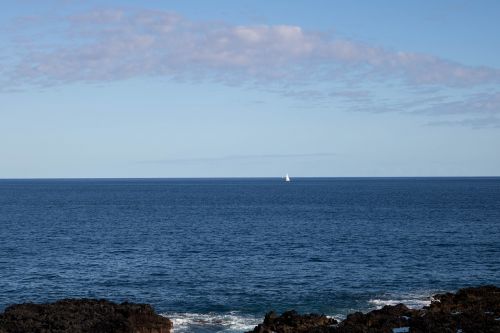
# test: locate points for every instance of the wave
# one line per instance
(230, 322)
(411, 301)
(237, 322)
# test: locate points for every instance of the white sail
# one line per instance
(287, 179)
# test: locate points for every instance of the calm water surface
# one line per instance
(216, 254)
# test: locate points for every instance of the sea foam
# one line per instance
(415, 302)
(230, 322)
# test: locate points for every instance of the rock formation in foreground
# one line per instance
(291, 321)
(470, 310)
(83, 316)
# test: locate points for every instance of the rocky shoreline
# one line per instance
(474, 310)
(470, 310)
(83, 316)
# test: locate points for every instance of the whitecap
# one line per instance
(411, 301)
(230, 322)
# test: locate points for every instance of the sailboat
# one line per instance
(287, 179)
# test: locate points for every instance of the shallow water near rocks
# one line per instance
(216, 254)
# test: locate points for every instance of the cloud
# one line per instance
(114, 44)
(242, 158)
(480, 103)
(477, 123)
(483, 107)
(312, 66)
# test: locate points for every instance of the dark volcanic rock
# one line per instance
(470, 310)
(291, 321)
(383, 320)
(83, 316)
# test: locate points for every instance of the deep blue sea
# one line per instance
(216, 254)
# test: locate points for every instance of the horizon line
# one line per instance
(236, 177)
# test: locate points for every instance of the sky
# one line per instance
(228, 88)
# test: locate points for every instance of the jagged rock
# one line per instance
(485, 298)
(470, 310)
(291, 321)
(383, 320)
(83, 316)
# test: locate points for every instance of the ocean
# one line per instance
(217, 254)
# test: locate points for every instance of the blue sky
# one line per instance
(249, 88)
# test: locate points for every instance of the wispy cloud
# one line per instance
(477, 123)
(114, 44)
(243, 158)
(479, 103)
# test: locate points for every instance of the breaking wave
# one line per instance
(411, 301)
(231, 322)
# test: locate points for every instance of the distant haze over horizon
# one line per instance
(175, 89)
